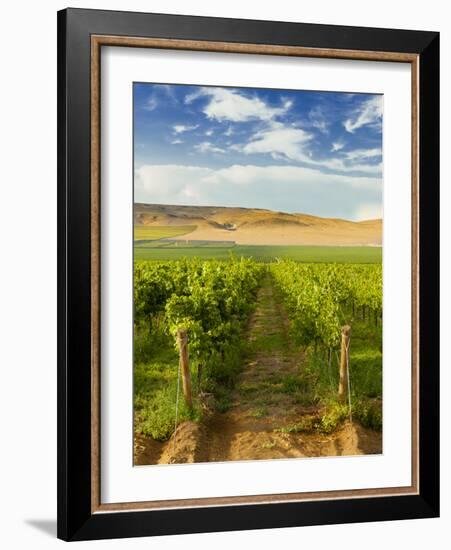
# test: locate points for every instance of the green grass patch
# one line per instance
(156, 413)
(335, 414)
(305, 425)
(325, 423)
(267, 400)
(247, 388)
(316, 382)
(222, 394)
(155, 387)
(153, 233)
(262, 253)
(223, 404)
(268, 342)
(259, 412)
(369, 413)
(155, 382)
(294, 384)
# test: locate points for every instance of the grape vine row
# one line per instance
(321, 298)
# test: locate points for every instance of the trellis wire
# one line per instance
(176, 409)
(329, 365)
(349, 380)
(338, 358)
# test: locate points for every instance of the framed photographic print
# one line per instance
(248, 274)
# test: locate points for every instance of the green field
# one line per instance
(309, 254)
(151, 233)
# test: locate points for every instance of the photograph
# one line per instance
(248, 273)
(258, 317)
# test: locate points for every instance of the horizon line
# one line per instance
(257, 208)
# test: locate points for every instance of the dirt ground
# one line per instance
(259, 421)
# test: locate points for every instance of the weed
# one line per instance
(335, 414)
(305, 424)
(259, 413)
(158, 414)
(293, 384)
(369, 413)
(223, 404)
(247, 387)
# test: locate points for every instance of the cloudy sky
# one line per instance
(318, 153)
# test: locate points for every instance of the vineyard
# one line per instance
(322, 298)
(264, 343)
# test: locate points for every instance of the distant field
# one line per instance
(152, 233)
(167, 243)
(320, 254)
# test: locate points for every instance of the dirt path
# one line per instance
(265, 406)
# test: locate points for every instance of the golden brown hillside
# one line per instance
(259, 226)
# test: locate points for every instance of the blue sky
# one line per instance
(313, 152)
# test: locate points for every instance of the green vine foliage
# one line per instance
(211, 300)
(316, 295)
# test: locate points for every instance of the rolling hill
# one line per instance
(253, 226)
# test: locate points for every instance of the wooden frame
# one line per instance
(82, 33)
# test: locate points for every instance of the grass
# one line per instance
(260, 412)
(155, 387)
(223, 403)
(268, 445)
(263, 253)
(151, 233)
(306, 424)
(293, 384)
(184, 244)
(155, 383)
(327, 422)
(333, 416)
(317, 383)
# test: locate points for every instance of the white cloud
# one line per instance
(340, 166)
(369, 113)
(176, 141)
(209, 132)
(318, 120)
(207, 147)
(162, 93)
(181, 128)
(368, 211)
(321, 125)
(229, 131)
(151, 104)
(246, 174)
(290, 188)
(169, 91)
(360, 154)
(282, 142)
(278, 141)
(336, 146)
(170, 183)
(226, 104)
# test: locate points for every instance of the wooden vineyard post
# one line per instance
(343, 383)
(182, 340)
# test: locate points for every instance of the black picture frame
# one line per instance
(76, 521)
